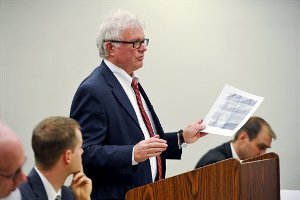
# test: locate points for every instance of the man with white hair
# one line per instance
(124, 143)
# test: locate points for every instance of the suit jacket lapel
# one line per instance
(39, 189)
(118, 91)
(37, 185)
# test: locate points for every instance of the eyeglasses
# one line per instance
(135, 44)
(15, 175)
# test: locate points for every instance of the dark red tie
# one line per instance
(147, 122)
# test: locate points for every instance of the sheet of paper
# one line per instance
(231, 111)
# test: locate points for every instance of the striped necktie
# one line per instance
(147, 122)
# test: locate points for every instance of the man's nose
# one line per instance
(143, 47)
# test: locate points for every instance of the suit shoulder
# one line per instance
(214, 155)
(92, 83)
(94, 77)
(26, 191)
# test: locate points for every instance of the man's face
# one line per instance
(76, 155)
(11, 173)
(257, 146)
(124, 55)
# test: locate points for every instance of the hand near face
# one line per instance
(193, 131)
(81, 186)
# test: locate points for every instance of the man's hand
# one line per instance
(149, 148)
(81, 186)
(193, 131)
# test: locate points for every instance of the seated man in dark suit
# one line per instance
(56, 143)
(251, 140)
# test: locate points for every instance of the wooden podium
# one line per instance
(256, 178)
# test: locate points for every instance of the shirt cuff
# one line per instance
(133, 161)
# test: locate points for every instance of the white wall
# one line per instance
(48, 47)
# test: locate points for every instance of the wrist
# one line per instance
(181, 141)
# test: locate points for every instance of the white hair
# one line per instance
(113, 26)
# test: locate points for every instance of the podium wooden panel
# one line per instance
(253, 179)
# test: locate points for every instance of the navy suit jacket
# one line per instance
(34, 189)
(217, 154)
(110, 129)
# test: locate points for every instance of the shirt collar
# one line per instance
(120, 73)
(234, 154)
(51, 193)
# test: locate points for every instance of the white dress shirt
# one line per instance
(234, 154)
(125, 81)
(51, 193)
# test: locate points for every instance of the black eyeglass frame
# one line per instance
(135, 44)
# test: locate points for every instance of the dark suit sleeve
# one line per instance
(88, 109)
(173, 151)
(210, 158)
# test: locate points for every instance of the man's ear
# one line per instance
(243, 136)
(67, 156)
(110, 48)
